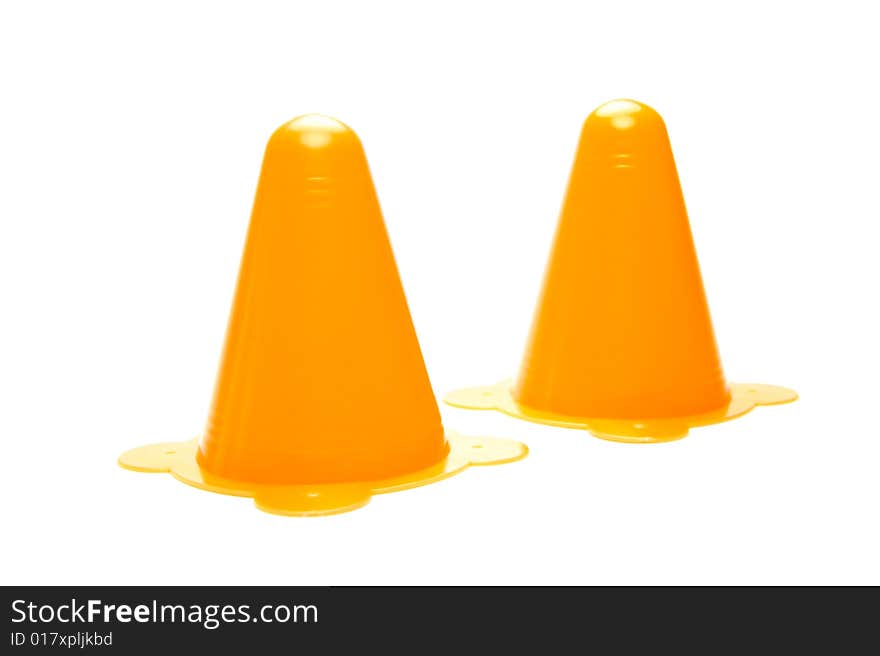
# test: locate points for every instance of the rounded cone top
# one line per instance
(622, 327)
(318, 146)
(322, 378)
(625, 114)
(314, 131)
(621, 130)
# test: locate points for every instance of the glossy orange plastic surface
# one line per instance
(322, 380)
(622, 329)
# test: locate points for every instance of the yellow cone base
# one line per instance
(744, 397)
(179, 459)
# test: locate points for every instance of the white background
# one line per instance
(131, 137)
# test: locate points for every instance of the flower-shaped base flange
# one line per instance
(179, 459)
(743, 397)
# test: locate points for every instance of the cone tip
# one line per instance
(314, 131)
(625, 113)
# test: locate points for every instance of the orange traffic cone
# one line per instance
(322, 398)
(622, 342)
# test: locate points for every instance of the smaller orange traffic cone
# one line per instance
(622, 342)
(322, 398)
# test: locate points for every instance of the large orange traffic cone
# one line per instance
(322, 396)
(622, 341)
